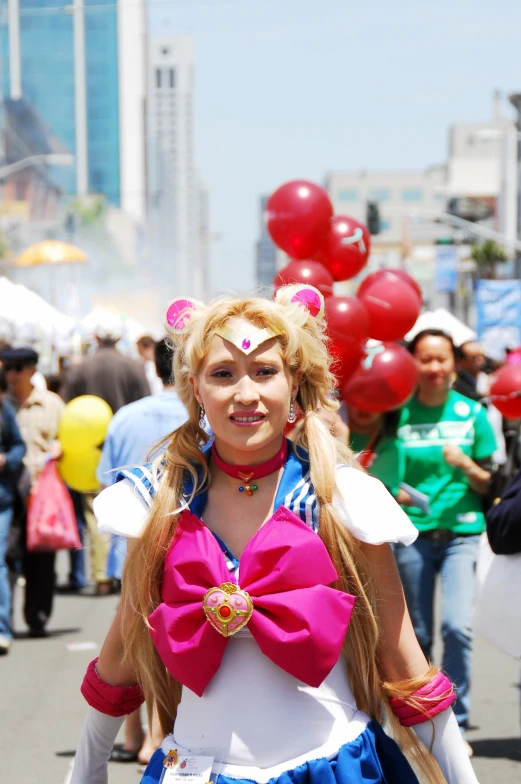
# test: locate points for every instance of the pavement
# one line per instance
(41, 710)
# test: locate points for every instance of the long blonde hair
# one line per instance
(304, 349)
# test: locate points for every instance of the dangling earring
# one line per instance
(202, 418)
(292, 417)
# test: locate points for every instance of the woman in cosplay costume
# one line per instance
(262, 613)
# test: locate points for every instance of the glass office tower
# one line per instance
(101, 56)
(46, 74)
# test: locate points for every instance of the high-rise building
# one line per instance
(202, 254)
(173, 208)
(83, 70)
(266, 251)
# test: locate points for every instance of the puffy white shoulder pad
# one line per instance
(369, 510)
(120, 509)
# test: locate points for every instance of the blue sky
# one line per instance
(296, 88)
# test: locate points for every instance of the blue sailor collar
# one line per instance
(295, 490)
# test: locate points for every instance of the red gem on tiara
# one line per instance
(246, 344)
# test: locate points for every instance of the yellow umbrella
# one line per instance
(50, 252)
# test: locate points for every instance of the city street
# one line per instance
(41, 710)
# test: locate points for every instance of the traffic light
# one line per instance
(373, 217)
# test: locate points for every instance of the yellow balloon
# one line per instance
(84, 423)
(78, 470)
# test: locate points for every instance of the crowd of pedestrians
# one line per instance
(30, 414)
(38, 413)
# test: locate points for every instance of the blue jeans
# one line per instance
(116, 556)
(455, 561)
(6, 518)
(77, 557)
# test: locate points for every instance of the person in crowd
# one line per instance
(12, 451)
(293, 533)
(504, 520)
(38, 414)
(334, 422)
(132, 434)
(53, 382)
(471, 380)
(447, 443)
(118, 380)
(146, 346)
(77, 580)
(372, 436)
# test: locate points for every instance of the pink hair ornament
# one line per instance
(179, 314)
(304, 300)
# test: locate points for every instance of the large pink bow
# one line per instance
(298, 621)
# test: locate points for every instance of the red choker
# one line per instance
(249, 474)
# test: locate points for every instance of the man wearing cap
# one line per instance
(118, 380)
(38, 414)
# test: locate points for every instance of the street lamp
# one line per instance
(49, 159)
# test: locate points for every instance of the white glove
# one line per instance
(449, 747)
(96, 741)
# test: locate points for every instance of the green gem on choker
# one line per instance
(248, 489)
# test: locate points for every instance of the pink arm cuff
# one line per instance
(111, 700)
(436, 696)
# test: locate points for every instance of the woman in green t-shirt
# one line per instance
(447, 443)
(372, 436)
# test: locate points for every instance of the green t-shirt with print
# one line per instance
(388, 464)
(423, 432)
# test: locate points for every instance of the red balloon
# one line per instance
(348, 328)
(393, 308)
(346, 249)
(310, 272)
(505, 392)
(298, 215)
(385, 379)
(391, 274)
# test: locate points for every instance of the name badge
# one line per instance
(186, 768)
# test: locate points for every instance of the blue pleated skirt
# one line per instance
(372, 758)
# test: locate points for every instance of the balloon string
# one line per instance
(510, 396)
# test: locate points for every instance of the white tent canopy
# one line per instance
(27, 318)
(443, 319)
